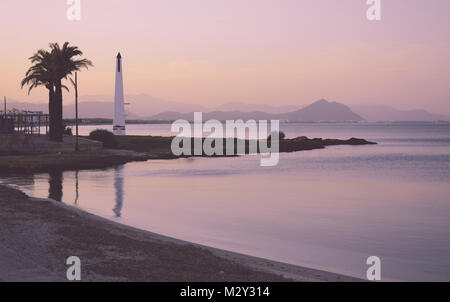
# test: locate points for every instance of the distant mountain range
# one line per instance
(322, 111)
(319, 111)
(145, 107)
(101, 106)
(385, 113)
(236, 106)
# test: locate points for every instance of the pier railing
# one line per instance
(25, 123)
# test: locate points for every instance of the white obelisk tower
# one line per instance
(119, 102)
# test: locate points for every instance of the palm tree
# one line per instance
(41, 74)
(65, 65)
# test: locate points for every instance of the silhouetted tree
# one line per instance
(65, 65)
(48, 70)
(41, 74)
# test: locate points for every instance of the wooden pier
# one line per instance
(25, 123)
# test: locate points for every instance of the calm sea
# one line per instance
(328, 209)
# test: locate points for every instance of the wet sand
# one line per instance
(37, 236)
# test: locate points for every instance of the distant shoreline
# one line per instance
(108, 122)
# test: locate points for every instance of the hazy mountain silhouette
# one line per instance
(147, 107)
(95, 110)
(26, 106)
(144, 105)
(319, 111)
(236, 106)
(377, 112)
(216, 115)
(102, 106)
(322, 110)
(85, 110)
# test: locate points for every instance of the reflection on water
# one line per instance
(329, 209)
(55, 183)
(77, 189)
(118, 185)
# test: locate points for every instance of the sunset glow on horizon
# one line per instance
(289, 52)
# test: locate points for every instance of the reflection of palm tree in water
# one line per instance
(76, 188)
(118, 185)
(55, 185)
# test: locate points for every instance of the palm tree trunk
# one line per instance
(51, 112)
(58, 108)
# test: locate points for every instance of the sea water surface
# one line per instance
(328, 209)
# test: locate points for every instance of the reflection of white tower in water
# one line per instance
(119, 102)
(118, 185)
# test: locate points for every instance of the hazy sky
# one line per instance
(254, 51)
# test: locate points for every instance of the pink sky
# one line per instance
(254, 51)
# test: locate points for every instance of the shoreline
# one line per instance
(40, 234)
(132, 149)
(43, 233)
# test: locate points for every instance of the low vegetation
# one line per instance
(106, 137)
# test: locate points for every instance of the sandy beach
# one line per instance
(37, 236)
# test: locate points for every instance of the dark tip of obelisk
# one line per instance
(119, 56)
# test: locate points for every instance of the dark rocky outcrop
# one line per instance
(303, 143)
